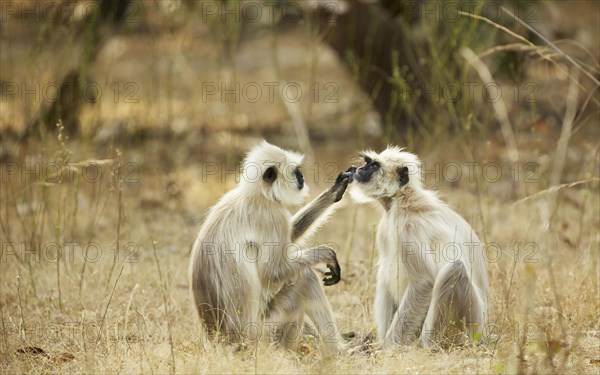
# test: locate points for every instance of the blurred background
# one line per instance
(122, 122)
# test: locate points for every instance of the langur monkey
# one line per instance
(249, 273)
(431, 281)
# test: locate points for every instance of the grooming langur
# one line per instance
(249, 273)
(432, 280)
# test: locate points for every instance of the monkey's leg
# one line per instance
(302, 296)
(456, 309)
(410, 315)
(285, 316)
(384, 309)
(227, 299)
(307, 217)
(319, 312)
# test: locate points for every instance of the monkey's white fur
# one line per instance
(248, 273)
(284, 190)
(432, 281)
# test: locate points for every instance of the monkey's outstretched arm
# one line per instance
(308, 216)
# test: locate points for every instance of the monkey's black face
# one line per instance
(364, 173)
(299, 178)
(385, 174)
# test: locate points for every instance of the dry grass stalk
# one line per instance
(499, 106)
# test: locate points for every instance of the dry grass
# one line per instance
(123, 324)
(122, 305)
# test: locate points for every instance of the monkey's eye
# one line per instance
(372, 165)
(270, 175)
(368, 160)
(299, 178)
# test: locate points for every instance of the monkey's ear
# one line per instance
(270, 175)
(402, 176)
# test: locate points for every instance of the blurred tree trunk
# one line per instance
(405, 54)
(368, 38)
(72, 93)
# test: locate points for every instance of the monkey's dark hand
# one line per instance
(335, 273)
(341, 183)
